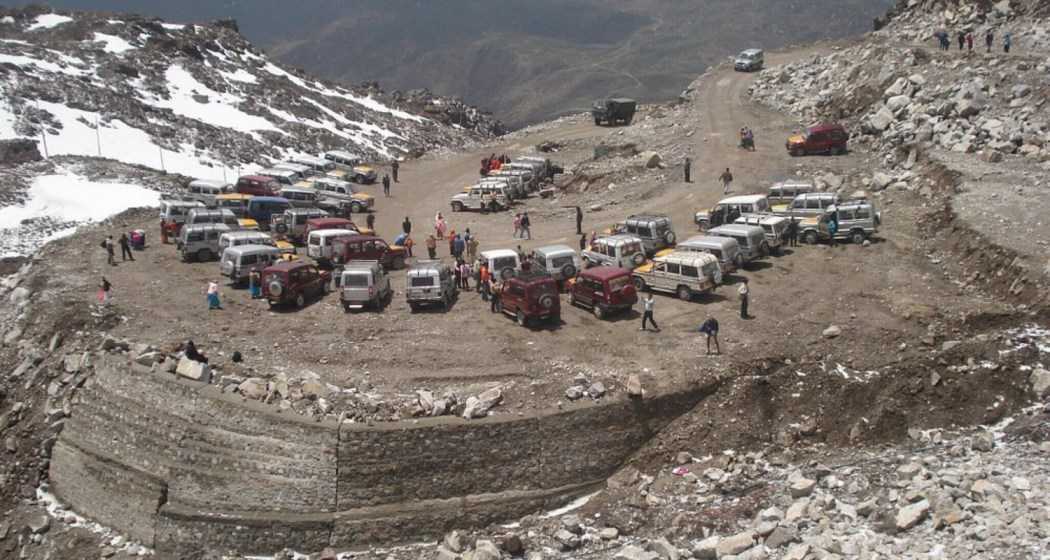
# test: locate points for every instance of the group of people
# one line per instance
(522, 226)
(110, 247)
(965, 40)
(493, 163)
(747, 138)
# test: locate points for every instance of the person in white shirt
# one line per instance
(647, 316)
(745, 294)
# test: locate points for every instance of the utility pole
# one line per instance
(162, 159)
(98, 136)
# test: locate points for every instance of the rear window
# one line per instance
(504, 262)
(710, 269)
(421, 281)
(617, 284)
(356, 280)
(632, 248)
(558, 262)
(690, 271)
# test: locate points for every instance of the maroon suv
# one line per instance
(530, 297)
(293, 282)
(605, 289)
(819, 139)
(368, 248)
(258, 185)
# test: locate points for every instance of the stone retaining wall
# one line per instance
(181, 466)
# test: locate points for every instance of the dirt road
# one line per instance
(873, 293)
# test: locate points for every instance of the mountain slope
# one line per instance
(195, 99)
(525, 61)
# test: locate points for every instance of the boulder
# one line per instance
(832, 331)
(797, 552)
(632, 552)
(568, 541)
(802, 487)
(881, 180)
(984, 441)
(572, 524)
(574, 393)
(194, 370)
(443, 553)
(664, 549)
(454, 542)
(1020, 90)
(609, 534)
(597, 390)
(917, 79)
(19, 296)
(781, 536)
(707, 549)
(911, 515)
(254, 388)
(149, 358)
(512, 544)
(1039, 380)
(898, 102)
(879, 121)
(735, 544)
(969, 107)
(479, 407)
(38, 523)
(634, 386)
(899, 87)
(485, 550)
(652, 160)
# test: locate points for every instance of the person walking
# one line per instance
(104, 288)
(255, 284)
(432, 245)
(962, 40)
(484, 277)
(472, 249)
(727, 180)
(744, 291)
(833, 228)
(440, 225)
(406, 226)
(583, 241)
(370, 221)
(458, 246)
(688, 169)
(107, 244)
(710, 328)
(1008, 41)
(792, 232)
(163, 231)
(394, 168)
(386, 185)
(579, 221)
(213, 296)
(464, 275)
(125, 248)
(517, 225)
(526, 225)
(969, 42)
(494, 289)
(989, 40)
(647, 314)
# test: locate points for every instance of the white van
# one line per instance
(174, 211)
(238, 262)
(502, 263)
(212, 216)
(319, 242)
(729, 209)
(205, 191)
(320, 166)
(752, 240)
(200, 242)
(300, 197)
(284, 177)
(750, 60)
(725, 249)
(622, 250)
(238, 238)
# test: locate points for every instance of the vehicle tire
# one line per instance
(346, 307)
(811, 238)
(203, 255)
(670, 238)
(506, 274)
(520, 318)
(568, 271)
(638, 259)
(764, 249)
(547, 301)
(798, 152)
(839, 151)
(639, 284)
(684, 293)
(858, 237)
(572, 298)
(499, 307)
(738, 261)
(281, 228)
(628, 121)
(300, 301)
(597, 121)
(276, 288)
(457, 206)
(446, 303)
(599, 312)
(413, 307)
(587, 264)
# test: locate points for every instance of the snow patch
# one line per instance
(58, 511)
(220, 110)
(25, 61)
(173, 26)
(113, 44)
(241, 75)
(71, 198)
(47, 21)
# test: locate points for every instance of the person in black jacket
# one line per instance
(406, 226)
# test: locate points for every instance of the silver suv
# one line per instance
(655, 231)
(200, 242)
(857, 220)
(363, 284)
(559, 261)
(430, 283)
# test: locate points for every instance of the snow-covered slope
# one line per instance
(193, 99)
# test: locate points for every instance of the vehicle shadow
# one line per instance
(758, 265)
(286, 308)
(710, 297)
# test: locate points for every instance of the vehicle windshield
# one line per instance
(619, 283)
(422, 281)
(355, 280)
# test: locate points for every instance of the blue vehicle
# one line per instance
(260, 208)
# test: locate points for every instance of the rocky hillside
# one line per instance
(196, 99)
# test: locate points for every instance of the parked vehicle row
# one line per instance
(499, 189)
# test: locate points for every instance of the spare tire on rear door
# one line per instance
(282, 228)
(568, 271)
(547, 301)
(638, 259)
(276, 288)
(506, 273)
(670, 237)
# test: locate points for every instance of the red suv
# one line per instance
(530, 296)
(258, 185)
(819, 139)
(604, 289)
(293, 282)
(368, 248)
